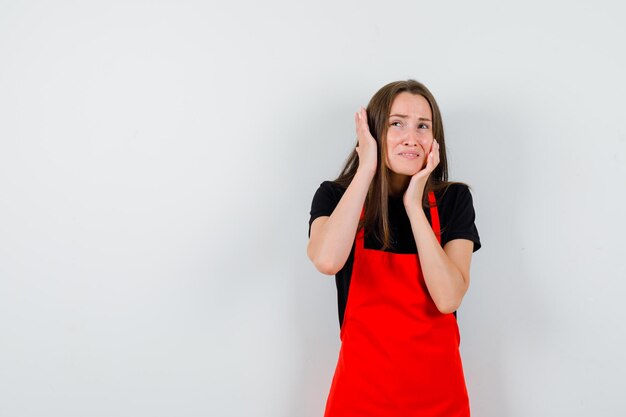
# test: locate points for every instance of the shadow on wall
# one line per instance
(501, 313)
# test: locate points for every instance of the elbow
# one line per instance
(323, 265)
(326, 268)
(447, 309)
(451, 301)
(448, 306)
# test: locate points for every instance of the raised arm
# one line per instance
(332, 236)
(446, 270)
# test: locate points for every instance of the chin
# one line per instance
(411, 171)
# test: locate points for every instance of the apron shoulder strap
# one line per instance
(434, 215)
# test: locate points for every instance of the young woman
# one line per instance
(399, 239)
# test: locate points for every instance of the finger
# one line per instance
(431, 160)
(357, 122)
(436, 160)
(362, 123)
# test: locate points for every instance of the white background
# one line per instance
(157, 165)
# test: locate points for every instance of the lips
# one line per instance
(410, 155)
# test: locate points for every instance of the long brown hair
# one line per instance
(376, 219)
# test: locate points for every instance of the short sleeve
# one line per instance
(325, 200)
(458, 216)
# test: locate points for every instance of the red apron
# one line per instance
(399, 355)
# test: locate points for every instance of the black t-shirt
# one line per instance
(456, 215)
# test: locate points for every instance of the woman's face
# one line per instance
(409, 134)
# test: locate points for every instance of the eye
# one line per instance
(396, 123)
(423, 126)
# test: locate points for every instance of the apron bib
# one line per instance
(399, 355)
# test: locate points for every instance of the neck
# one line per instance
(398, 183)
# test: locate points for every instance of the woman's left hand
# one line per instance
(415, 191)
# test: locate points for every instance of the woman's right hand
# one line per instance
(366, 148)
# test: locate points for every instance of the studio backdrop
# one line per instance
(157, 166)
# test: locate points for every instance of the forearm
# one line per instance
(331, 250)
(444, 280)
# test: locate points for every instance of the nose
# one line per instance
(413, 139)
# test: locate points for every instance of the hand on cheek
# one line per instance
(433, 156)
(414, 192)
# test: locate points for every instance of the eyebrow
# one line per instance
(404, 116)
